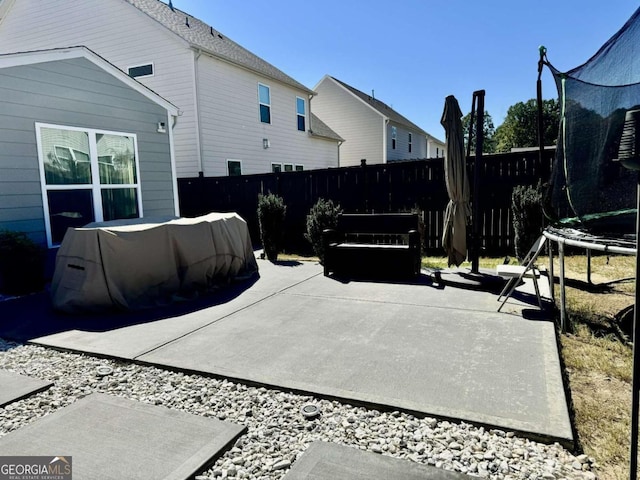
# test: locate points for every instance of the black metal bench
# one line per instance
(384, 245)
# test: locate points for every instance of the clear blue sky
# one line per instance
(414, 53)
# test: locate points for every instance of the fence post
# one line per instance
(365, 185)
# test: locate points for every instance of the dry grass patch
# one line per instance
(612, 288)
(598, 358)
(439, 263)
(599, 371)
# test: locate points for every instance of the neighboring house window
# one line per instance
(394, 134)
(288, 167)
(301, 112)
(264, 98)
(234, 168)
(410, 140)
(86, 176)
(276, 167)
(141, 71)
(299, 168)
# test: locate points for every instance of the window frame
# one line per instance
(95, 186)
(153, 70)
(235, 160)
(298, 167)
(394, 136)
(410, 142)
(279, 167)
(261, 103)
(302, 116)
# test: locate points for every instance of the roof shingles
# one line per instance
(200, 35)
(382, 107)
(321, 129)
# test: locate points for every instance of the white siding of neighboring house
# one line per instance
(124, 36)
(435, 149)
(231, 126)
(401, 152)
(360, 125)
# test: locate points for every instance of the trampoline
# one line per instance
(591, 196)
(590, 242)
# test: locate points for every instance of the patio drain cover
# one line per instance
(310, 411)
(104, 370)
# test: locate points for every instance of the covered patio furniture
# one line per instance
(143, 263)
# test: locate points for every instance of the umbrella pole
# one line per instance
(478, 96)
(471, 120)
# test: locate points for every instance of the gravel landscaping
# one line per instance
(278, 433)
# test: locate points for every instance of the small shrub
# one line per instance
(21, 264)
(271, 212)
(528, 219)
(323, 215)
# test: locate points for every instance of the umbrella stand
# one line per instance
(454, 239)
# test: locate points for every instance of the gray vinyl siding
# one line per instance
(231, 126)
(73, 93)
(124, 36)
(360, 125)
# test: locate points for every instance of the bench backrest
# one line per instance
(377, 223)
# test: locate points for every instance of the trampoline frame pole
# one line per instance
(543, 52)
(633, 461)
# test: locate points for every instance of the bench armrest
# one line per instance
(329, 236)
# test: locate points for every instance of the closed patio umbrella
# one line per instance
(454, 238)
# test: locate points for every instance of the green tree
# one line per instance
(488, 144)
(520, 126)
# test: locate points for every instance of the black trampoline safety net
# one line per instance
(589, 188)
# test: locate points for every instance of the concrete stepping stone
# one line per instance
(110, 437)
(14, 387)
(329, 461)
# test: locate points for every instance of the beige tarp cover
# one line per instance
(137, 265)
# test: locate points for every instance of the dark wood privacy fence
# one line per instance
(394, 187)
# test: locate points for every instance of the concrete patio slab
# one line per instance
(330, 461)
(450, 361)
(14, 387)
(130, 334)
(130, 341)
(116, 438)
(421, 292)
(416, 346)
